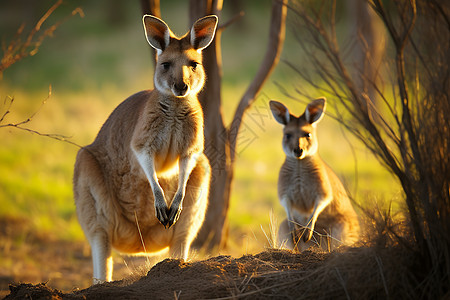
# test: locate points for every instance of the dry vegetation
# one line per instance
(359, 273)
(21, 46)
(408, 128)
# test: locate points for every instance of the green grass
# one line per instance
(92, 68)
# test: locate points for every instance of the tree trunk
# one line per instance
(220, 141)
(214, 232)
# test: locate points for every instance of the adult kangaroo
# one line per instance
(315, 200)
(146, 165)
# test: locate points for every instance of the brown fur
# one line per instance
(312, 195)
(147, 165)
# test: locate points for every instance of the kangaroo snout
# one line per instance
(298, 152)
(180, 89)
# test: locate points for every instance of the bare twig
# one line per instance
(17, 50)
(20, 125)
(383, 279)
(7, 111)
(342, 282)
(231, 21)
(271, 58)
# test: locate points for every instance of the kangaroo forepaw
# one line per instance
(174, 214)
(161, 215)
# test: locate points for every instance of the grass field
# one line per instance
(91, 68)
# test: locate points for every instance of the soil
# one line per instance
(34, 266)
(29, 256)
(39, 267)
(218, 277)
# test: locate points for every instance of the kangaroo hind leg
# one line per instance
(91, 201)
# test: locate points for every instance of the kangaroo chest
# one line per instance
(172, 131)
(299, 186)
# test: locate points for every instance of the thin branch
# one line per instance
(40, 22)
(58, 137)
(7, 111)
(231, 21)
(17, 50)
(19, 125)
(271, 58)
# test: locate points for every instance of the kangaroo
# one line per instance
(146, 166)
(313, 197)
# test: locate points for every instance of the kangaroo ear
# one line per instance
(203, 31)
(157, 32)
(280, 112)
(314, 111)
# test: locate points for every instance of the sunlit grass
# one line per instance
(36, 172)
(35, 182)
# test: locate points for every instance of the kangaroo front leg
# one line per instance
(291, 223)
(147, 164)
(186, 165)
(319, 206)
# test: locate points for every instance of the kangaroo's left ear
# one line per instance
(314, 111)
(203, 31)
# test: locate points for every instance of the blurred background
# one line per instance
(93, 62)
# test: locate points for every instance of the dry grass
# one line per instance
(406, 128)
(352, 273)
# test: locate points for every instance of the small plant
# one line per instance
(16, 50)
(408, 129)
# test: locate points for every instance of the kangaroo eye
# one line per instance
(288, 136)
(166, 65)
(307, 135)
(194, 65)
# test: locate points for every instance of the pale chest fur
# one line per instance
(169, 131)
(301, 183)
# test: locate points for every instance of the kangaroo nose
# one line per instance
(298, 152)
(181, 88)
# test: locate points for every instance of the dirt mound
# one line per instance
(350, 273)
(217, 277)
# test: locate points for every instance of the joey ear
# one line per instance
(314, 111)
(203, 31)
(280, 112)
(157, 32)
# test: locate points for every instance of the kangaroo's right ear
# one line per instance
(203, 31)
(280, 112)
(157, 32)
(314, 111)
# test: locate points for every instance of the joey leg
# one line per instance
(285, 235)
